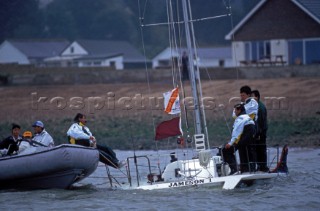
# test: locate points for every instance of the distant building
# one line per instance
(100, 53)
(30, 51)
(81, 53)
(278, 32)
(207, 57)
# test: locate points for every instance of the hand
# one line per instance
(227, 146)
(93, 142)
(3, 152)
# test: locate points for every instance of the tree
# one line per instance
(20, 19)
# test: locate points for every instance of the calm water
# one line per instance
(299, 191)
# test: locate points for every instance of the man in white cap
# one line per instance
(42, 137)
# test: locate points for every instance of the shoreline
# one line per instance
(292, 119)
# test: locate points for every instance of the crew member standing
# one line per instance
(261, 134)
(250, 104)
(185, 68)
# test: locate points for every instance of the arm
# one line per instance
(44, 139)
(23, 146)
(5, 143)
(237, 130)
(234, 116)
(252, 109)
(76, 132)
(49, 140)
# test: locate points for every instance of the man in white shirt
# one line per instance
(250, 104)
(242, 137)
(42, 137)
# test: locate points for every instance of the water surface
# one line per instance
(299, 191)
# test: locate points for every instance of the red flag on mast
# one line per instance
(168, 129)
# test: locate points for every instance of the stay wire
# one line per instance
(145, 62)
(178, 72)
(170, 40)
(228, 8)
(233, 41)
(198, 78)
(141, 18)
(182, 22)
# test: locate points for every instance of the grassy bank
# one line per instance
(294, 119)
(126, 134)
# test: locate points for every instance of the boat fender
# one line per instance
(153, 177)
(180, 141)
(176, 172)
(189, 140)
(223, 169)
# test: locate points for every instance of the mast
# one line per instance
(191, 49)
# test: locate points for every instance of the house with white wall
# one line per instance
(278, 32)
(80, 53)
(34, 52)
(102, 53)
(207, 57)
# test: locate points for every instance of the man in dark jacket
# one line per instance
(261, 134)
(11, 144)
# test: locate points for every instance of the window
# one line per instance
(72, 49)
(295, 49)
(247, 47)
(254, 52)
(312, 49)
(96, 63)
(221, 63)
(257, 50)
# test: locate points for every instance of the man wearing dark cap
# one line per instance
(11, 144)
(42, 137)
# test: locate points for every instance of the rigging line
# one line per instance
(146, 69)
(217, 96)
(180, 78)
(228, 7)
(220, 108)
(182, 22)
(233, 40)
(176, 62)
(194, 86)
(176, 74)
(173, 40)
(198, 79)
(174, 48)
(144, 9)
(171, 33)
(178, 65)
(134, 148)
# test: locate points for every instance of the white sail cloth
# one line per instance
(172, 102)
